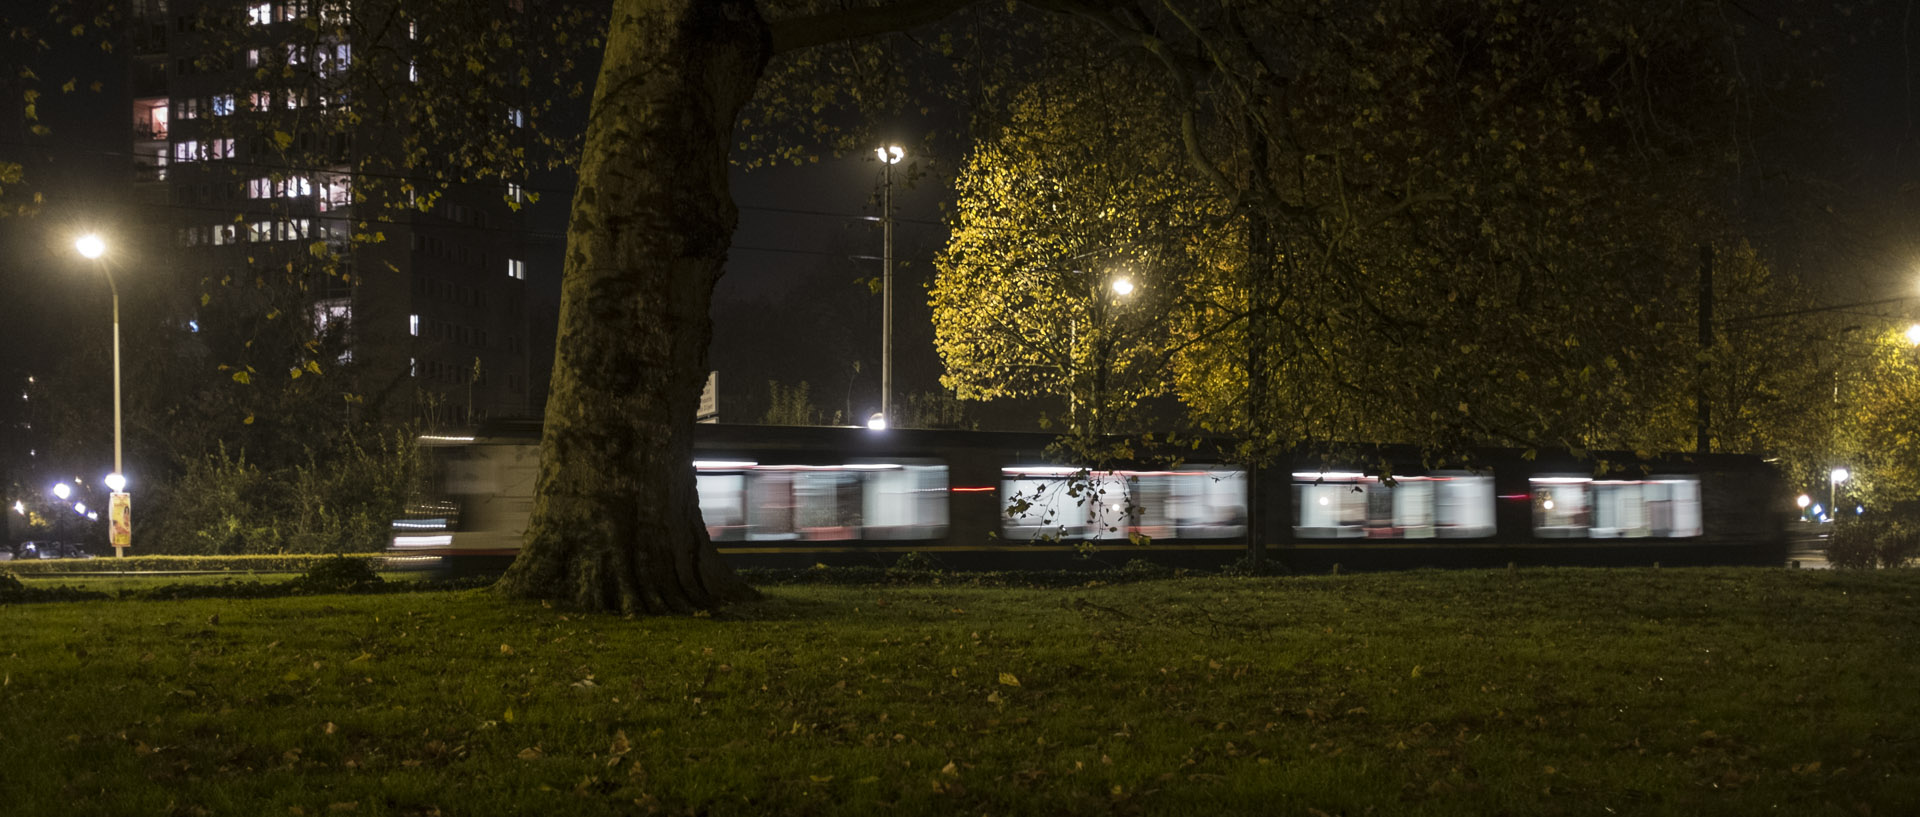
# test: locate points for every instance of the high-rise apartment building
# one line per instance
(272, 146)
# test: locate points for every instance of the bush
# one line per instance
(276, 563)
(339, 573)
(1851, 545)
(1245, 566)
(915, 561)
(1865, 545)
(8, 582)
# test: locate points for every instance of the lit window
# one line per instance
(413, 325)
(260, 14)
(517, 117)
(221, 104)
(413, 71)
(253, 58)
(516, 269)
(516, 194)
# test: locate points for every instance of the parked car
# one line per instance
(51, 550)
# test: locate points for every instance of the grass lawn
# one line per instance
(1597, 692)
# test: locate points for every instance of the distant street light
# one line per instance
(62, 491)
(92, 247)
(1122, 287)
(1913, 334)
(877, 422)
(1838, 475)
(889, 156)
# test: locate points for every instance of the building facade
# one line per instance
(285, 161)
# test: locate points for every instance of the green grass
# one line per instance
(1532, 692)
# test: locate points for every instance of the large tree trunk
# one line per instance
(616, 524)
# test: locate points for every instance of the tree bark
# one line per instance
(616, 523)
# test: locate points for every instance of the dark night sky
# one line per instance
(793, 305)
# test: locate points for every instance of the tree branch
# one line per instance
(852, 24)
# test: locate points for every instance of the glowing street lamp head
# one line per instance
(1803, 501)
(891, 154)
(1122, 286)
(116, 482)
(878, 422)
(1913, 334)
(1840, 474)
(91, 246)
(62, 490)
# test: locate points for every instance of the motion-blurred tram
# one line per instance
(799, 496)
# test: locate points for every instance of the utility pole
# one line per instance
(889, 156)
(1703, 418)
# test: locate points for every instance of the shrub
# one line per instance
(339, 573)
(916, 561)
(1851, 545)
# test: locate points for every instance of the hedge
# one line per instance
(274, 563)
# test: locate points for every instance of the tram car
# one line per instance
(800, 496)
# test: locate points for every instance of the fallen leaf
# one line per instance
(1008, 679)
(530, 753)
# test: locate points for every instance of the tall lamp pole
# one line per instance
(92, 247)
(889, 156)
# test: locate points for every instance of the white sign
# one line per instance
(709, 400)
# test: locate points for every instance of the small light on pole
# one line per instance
(62, 490)
(116, 482)
(1122, 287)
(877, 422)
(1838, 475)
(1913, 334)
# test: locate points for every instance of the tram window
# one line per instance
(723, 504)
(906, 502)
(749, 501)
(827, 504)
(1352, 505)
(1575, 507)
(1069, 504)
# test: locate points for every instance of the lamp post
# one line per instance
(889, 156)
(92, 247)
(1121, 287)
(1834, 478)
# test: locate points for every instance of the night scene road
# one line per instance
(958, 407)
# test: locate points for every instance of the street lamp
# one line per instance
(889, 156)
(1838, 475)
(1913, 334)
(92, 247)
(1122, 287)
